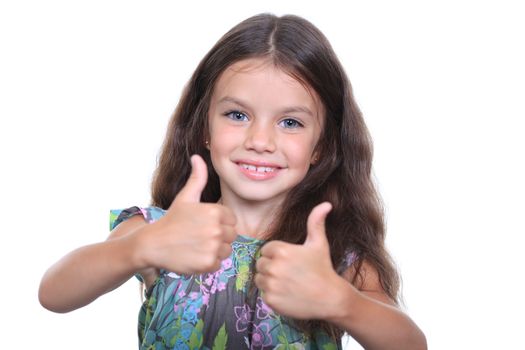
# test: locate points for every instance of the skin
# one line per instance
(299, 281)
(249, 124)
(134, 246)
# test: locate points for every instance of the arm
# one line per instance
(91, 271)
(299, 281)
(191, 237)
(370, 316)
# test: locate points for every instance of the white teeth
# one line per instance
(260, 169)
(264, 169)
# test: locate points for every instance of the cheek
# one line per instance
(223, 139)
(221, 132)
(300, 152)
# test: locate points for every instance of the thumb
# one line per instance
(192, 190)
(315, 226)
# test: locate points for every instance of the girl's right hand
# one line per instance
(192, 237)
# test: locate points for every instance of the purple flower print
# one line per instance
(182, 294)
(209, 279)
(181, 306)
(263, 310)
(261, 336)
(217, 286)
(194, 295)
(221, 286)
(226, 264)
(244, 315)
(205, 299)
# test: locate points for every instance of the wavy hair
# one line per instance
(343, 173)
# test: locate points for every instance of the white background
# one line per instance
(87, 88)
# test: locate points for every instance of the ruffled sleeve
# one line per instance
(150, 214)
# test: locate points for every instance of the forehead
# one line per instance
(261, 80)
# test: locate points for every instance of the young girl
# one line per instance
(265, 230)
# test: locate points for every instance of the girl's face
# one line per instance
(263, 127)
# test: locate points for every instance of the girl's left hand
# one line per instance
(298, 280)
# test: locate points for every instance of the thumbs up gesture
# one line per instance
(192, 237)
(295, 279)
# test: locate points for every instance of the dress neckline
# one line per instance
(245, 238)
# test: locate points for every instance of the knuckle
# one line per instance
(211, 247)
(214, 231)
(214, 211)
(264, 251)
(281, 251)
(264, 267)
(268, 285)
(208, 263)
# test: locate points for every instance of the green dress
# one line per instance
(218, 310)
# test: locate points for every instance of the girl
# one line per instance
(265, 230)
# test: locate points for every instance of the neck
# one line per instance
(253, 217)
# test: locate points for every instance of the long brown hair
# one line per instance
(342, 174)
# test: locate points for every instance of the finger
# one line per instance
(263, 265)
(315, 226)
(260, 281)
(268, 250)
(222, 214)
(275, 248)
(225, 251)
(192, 190)
(229, 234)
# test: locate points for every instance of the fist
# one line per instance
(295, 278)
(192, 237)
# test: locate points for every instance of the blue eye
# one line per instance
(237, 116)
(290, 123)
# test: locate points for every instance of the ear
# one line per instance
(315, 158)
(207, 140)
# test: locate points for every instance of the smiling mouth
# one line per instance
(259, 169)
(259, 172)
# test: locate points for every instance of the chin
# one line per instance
(260, 196)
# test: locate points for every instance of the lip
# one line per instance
(254, 174)
(258, 163)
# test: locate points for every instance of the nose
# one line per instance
(260, 138)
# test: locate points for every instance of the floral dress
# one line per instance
(217, 310)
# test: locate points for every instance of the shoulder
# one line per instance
(123, 221)
(365, 277)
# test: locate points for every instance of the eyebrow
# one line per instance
(292, 109)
